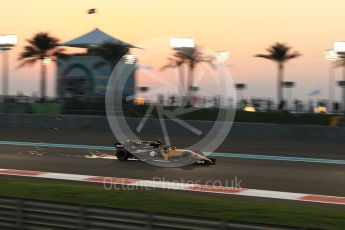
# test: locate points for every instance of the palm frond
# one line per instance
(58, 55)
(169, 65)
(28, 52)
(339, 63)
(266, 56)
(292, 56)
(27, 62)
(40, 46)
(279, 52)
(110, 52)
(190, 56)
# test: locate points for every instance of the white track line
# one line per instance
(177, 186)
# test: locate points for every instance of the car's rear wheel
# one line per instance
(122, 155)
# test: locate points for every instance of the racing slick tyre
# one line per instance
(211, 161)
(122, 155)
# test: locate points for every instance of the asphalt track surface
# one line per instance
(287, 176)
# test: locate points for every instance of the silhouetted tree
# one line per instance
(279, 53)
(110, 52)
(41, 47)
(191, 57)
(177, 63)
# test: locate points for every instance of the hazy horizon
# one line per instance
(244, 28)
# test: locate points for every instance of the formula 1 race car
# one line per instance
(157, 152)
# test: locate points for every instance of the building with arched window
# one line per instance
(84, 76)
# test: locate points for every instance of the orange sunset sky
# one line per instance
(242, 27)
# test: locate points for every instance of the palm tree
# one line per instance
(192, 57)
(176, 63)
(41, 48)
(110, 52)
(279, 53)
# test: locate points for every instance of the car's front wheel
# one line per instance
(122, 155)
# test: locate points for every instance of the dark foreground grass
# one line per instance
(229, 208)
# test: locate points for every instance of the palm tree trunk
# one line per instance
(190, 79)
(343, 88)
(5, 75)
(182, 81)
(190, 85)
(43, 81)
(280, 82)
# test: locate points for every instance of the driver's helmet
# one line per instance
(165, 148)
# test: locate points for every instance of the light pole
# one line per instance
(240, 87)
(331, 56)
(222, 58)
(6, 43)
(341, 84)
(130, 66)
(288, 85)
(339, 48)
(45, 62)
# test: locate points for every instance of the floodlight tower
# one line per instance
(6, 44)
(331, 56)
(339, 48)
